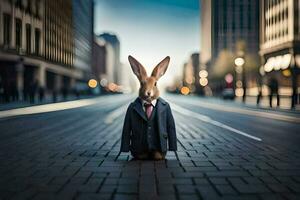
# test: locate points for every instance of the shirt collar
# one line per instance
(152, 102)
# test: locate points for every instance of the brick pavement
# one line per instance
(74, 155)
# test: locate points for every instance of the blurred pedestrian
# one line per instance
(15, 95)
(32, 91)
(274, 91)
(65, 92)
(1, 90)
(259, 87)
(258, 98)
(54, 96)
(77, 94)
(41, 93)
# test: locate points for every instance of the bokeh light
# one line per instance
(203, 74)
(286, 72)
(185, 90)
(239, 92)
(113, 87)
(239, 84)
(203, 81)
(92, 83)
(103, 82)
(229, 78)
(239, 61)
(239, 69)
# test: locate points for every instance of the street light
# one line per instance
(203, 81)
(203, 73)
(185, 90)
(239, 62)
(92, 83)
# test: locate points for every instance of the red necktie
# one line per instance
(148, 109)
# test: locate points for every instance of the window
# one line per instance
(28, 38)
(18, 4)
(29, 7)
(37, 9)
(241, 12)
(18, 33)
(6, 29)
(37, 41)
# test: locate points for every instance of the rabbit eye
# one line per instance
(155, 83)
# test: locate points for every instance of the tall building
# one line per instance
(206, 32)
(38, 50)
(224, 23)
(83, 14)
(280, 45)
(195, 62)
(227, 27)
(104, 62)
(113, 42)
(99, 59)
(191, 74)
(58, 46)
(233, 21)
(21, 47)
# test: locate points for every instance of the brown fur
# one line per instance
(148, 85)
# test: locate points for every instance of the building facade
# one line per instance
(37, 48)
(190, 77)
(206, 32)
(225, 25)
(233, 21)
(99, 59)
(280, 45)
(21, 28)
(83, 12)
(59, 44)
(112, 75)
(113, 56)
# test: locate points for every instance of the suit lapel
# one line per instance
(139, 109)
(161, 105)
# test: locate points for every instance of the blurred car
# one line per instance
(228, 93)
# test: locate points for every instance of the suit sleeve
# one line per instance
(125, 141)
(171, 131)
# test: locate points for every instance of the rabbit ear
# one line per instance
(161, 68)
(137, 68)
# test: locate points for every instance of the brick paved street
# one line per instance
(74, 154)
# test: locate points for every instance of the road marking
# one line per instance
(228, 108)
(114, 114)
(209, 120)
(54, 107)
(46, 108)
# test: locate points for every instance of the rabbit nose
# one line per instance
(148, 93)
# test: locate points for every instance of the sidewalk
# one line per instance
(47, 100)
(237, 106)
(285, 103)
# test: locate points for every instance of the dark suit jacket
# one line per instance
(133, 128)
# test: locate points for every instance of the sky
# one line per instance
(150, 30)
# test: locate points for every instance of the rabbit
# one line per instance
(149, 126)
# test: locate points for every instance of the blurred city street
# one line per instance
(226, 150)
(229, 69)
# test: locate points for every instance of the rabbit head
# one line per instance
(148, 89)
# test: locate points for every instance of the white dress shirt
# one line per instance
(152, 102)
